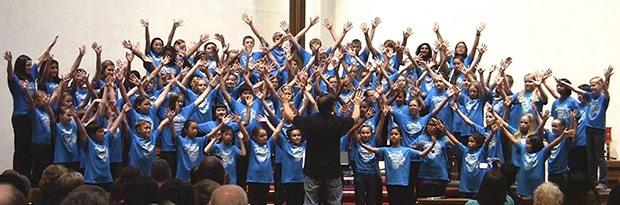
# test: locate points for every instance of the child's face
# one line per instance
(68, 100)
(148, 86)
(99, 135)
(179, 102)
(166, 78)
(227, 137)
(109, 70)
(372, 96)
(231, 81)
(561, 89)
(201, 86)
(220, 112)
(65, 117)
(295, 137)
(557, 127)
(333, 82)
(294, 65)
(366, 133)
(439, 84)
(400, 99)
(529, 84)
(489, 119)
(473, 92)
(261, 137)
(582, 99)
(528, 146)
(182, 47)
(288, 93)
(394, 137)
(28, 66)
(40, 99)
(401, 82)
(144, 130)
(524, 124)
(315, 45)
(471, 143)
(424, 50)
(192, 130)
(53, 70)
(211, 49)
(275, 82)
(460, 49)
(246, 94)
(144, 106)
(595, 86)
(414, 107)
(158, 46)
(248, 43)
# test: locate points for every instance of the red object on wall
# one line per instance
(608, 134)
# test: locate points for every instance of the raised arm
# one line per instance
(98, 69)
(371, 48)
(175, 24)
(429, 148)
(550, 88)
(479, 29)
(147, 35)
(126, 108)
(46, 52)
(454, 107)
(346, 29)
(82, 135)
(8, 56)
(451, 92)
(605, 87)
(366, 147)
(538, 81)
(557, 140)
(203, 39)
(248, 20)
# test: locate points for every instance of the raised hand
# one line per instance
(483, 48)
(364, 27)
(436, 27)
(178, 23)
(284, 26)
(127, 44)
(375, 22)
(262, 118)
(608, 72)
(8, 56)
(480, 27)
(247, 19)
(97, 48)
(314, 20)
(82, 50)
(328, 23)
(407, 32)
(144, 23)
(370, 113)
(359, 96)
(348, 26)
(546, 115)
(454, 106)
(547, 73)
(127, 107)
(170, 114)
(204, 38)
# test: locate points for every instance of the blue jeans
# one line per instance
(328, 191)
(595, 146)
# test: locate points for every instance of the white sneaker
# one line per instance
(601, 186)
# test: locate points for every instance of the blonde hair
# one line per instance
(531, 130)
(535, 93)
(548, 194)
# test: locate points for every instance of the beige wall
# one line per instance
(575, 38)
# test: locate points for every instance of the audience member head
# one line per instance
(11, 195)
(548, 194)
(326, 104)
(614, 195)
(493, 188)
(171, 191)
(141, 191)
(69, 181)
(160, 171)
(229, 194)
(49, 179)
(203, 191)
(211, 168)
(20, 182)
(86, 195)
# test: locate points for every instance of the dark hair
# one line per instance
(398, 130)
(493, 188)
(49, 178)
(153, 41)
(93, 127)
(207, 44)
(567, 92)
(584, 87)
(220, 105)
(326, 103)
(211, 168)
(464, 55)
(244, 87)
(20, 67)
(479, 139)
(141, 191)
(203, 190)
(247, 37)
(537, 143)
(54, 79)
(356, 41)
(171, 190)
(160, 170)
(225, 128)
(428, 55)
(179, 41)
(186, 126)
(257, 130)
(614, 195)
(291, 129)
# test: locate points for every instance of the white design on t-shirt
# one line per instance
(471, 161)
(471, 104)
(365, 154)
(554, 152)
(413, 127)
(298, 152)
(102, 152)
(68, 136)
(530, 161)
(262, 152)
(435, 100)
(45, 121)
(179, 122)
(436, 151)
(227, 157)
(203, 107)
(562, 112)
(147, 147)
(397, 158)
(595, 107)
(192, 151)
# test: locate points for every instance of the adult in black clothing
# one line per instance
(322, 161)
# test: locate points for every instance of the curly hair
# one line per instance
(548, 194)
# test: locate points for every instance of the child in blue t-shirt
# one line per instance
(397, 165)
(433, 174)
(595, 119)
(259, 168)
(557, 164)
(142, 149)
(533, 154)
(96, 151)
(228, 151)
(67, 131)
(293, 152)
(43, 121)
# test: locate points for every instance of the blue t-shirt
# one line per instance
(561, 108)
(350, 60)
(142, 152)
(243, 59)
(97, 161)
(134, 116)
(65, 148)
(558, 159)
(116, 147)
(471, 174)
(597, 109)
(167, 145)
(495, 146)
(532, 172)
(365, 161)
(433, 99)
(41, 127)
(190, 153)
(526, 102)
(20, 104)
(412, 127)
(434, 165)
(474, 110)
(229, 154)
(292, 160)
(259, 157)
(581, 127)
(204, 113)
(397, 164)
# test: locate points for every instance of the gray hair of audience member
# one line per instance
(11, 195)
(203, 190)
(229, 194)
(211, 168)
(48, 183)
(548, 194)
(20, 182)
(69, 181)
(87, 195)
